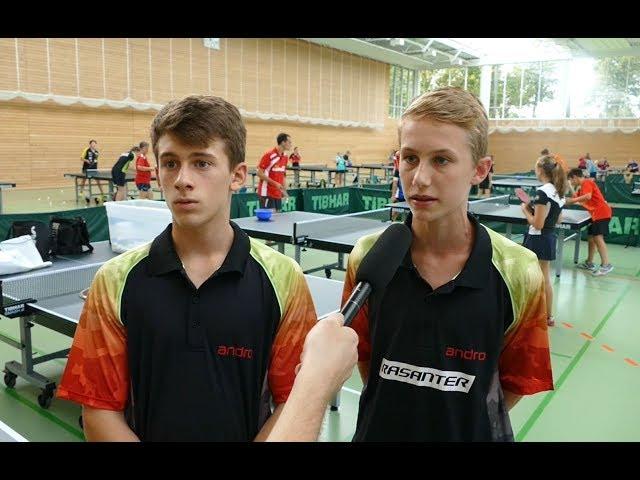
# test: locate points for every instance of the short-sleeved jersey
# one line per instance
(548, 197)
(91, 156)
(189, 364)
(440, 359)
(142, 176)
(597, 205)
(274, 165)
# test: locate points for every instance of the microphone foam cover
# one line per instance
(381, 262)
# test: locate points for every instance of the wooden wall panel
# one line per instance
(161, 91)
(35, 74)
(115, 57)
(9, 76)
(90, 68)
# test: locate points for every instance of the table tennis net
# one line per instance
(47, 284)
(340, 224)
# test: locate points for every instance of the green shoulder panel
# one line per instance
(519, 269)
(279, 268)
(360, 249)
(114, 274)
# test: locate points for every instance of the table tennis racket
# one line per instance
(522, 195)
(524, 198)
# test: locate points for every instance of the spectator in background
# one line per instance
(90, 162)
(143, 173)
(119, 172)
(391, 157)
(591, 169)
(484, 189)
(341, 166)
(397, 195)
(295, 157)
(582, 163)
(271, 171)
(603, 168)
(631, 170)
(347, 158)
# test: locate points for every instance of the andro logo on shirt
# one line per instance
(447, 381)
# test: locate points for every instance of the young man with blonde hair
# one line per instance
(460, 333)
(193, 336)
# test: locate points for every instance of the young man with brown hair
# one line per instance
(192, 336)
(589, 196)
(460, 332)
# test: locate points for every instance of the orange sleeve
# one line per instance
(97, 373)
(299, 317)
(360, 322)
(525, 362)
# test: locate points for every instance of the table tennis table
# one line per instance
(332, 233)
(311, 169)
(5, 186)
(527, 183)
(51, 298)
(497, 209)
(104, 176)
(372, 167)
(8, 434)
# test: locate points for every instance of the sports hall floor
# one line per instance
(594, 350)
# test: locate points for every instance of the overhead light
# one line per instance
(460, 61)
(397, 42)
(434, 52)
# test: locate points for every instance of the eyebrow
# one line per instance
(191, 155)
(435, 152)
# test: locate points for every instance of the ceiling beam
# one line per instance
(374, 52)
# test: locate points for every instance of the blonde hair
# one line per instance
(554, 172)
(455, 106)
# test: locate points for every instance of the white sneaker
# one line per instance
(603, 270)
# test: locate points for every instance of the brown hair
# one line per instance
(455, 106)
(197, 119)
(554, 172)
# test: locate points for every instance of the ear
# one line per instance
(481, 170)
(238, 176)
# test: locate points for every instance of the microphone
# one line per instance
(378, 267)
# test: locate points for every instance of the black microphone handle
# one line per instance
(358, 296)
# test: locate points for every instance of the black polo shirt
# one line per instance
(191, 364)
(439, 359)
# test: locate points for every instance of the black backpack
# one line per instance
(39, 231)
(69, 235)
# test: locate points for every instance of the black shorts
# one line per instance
(484, 184)
(268, 202)
(143, 187)
(544, 245)
(118, 177)
(599, 227)
(89, 166)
